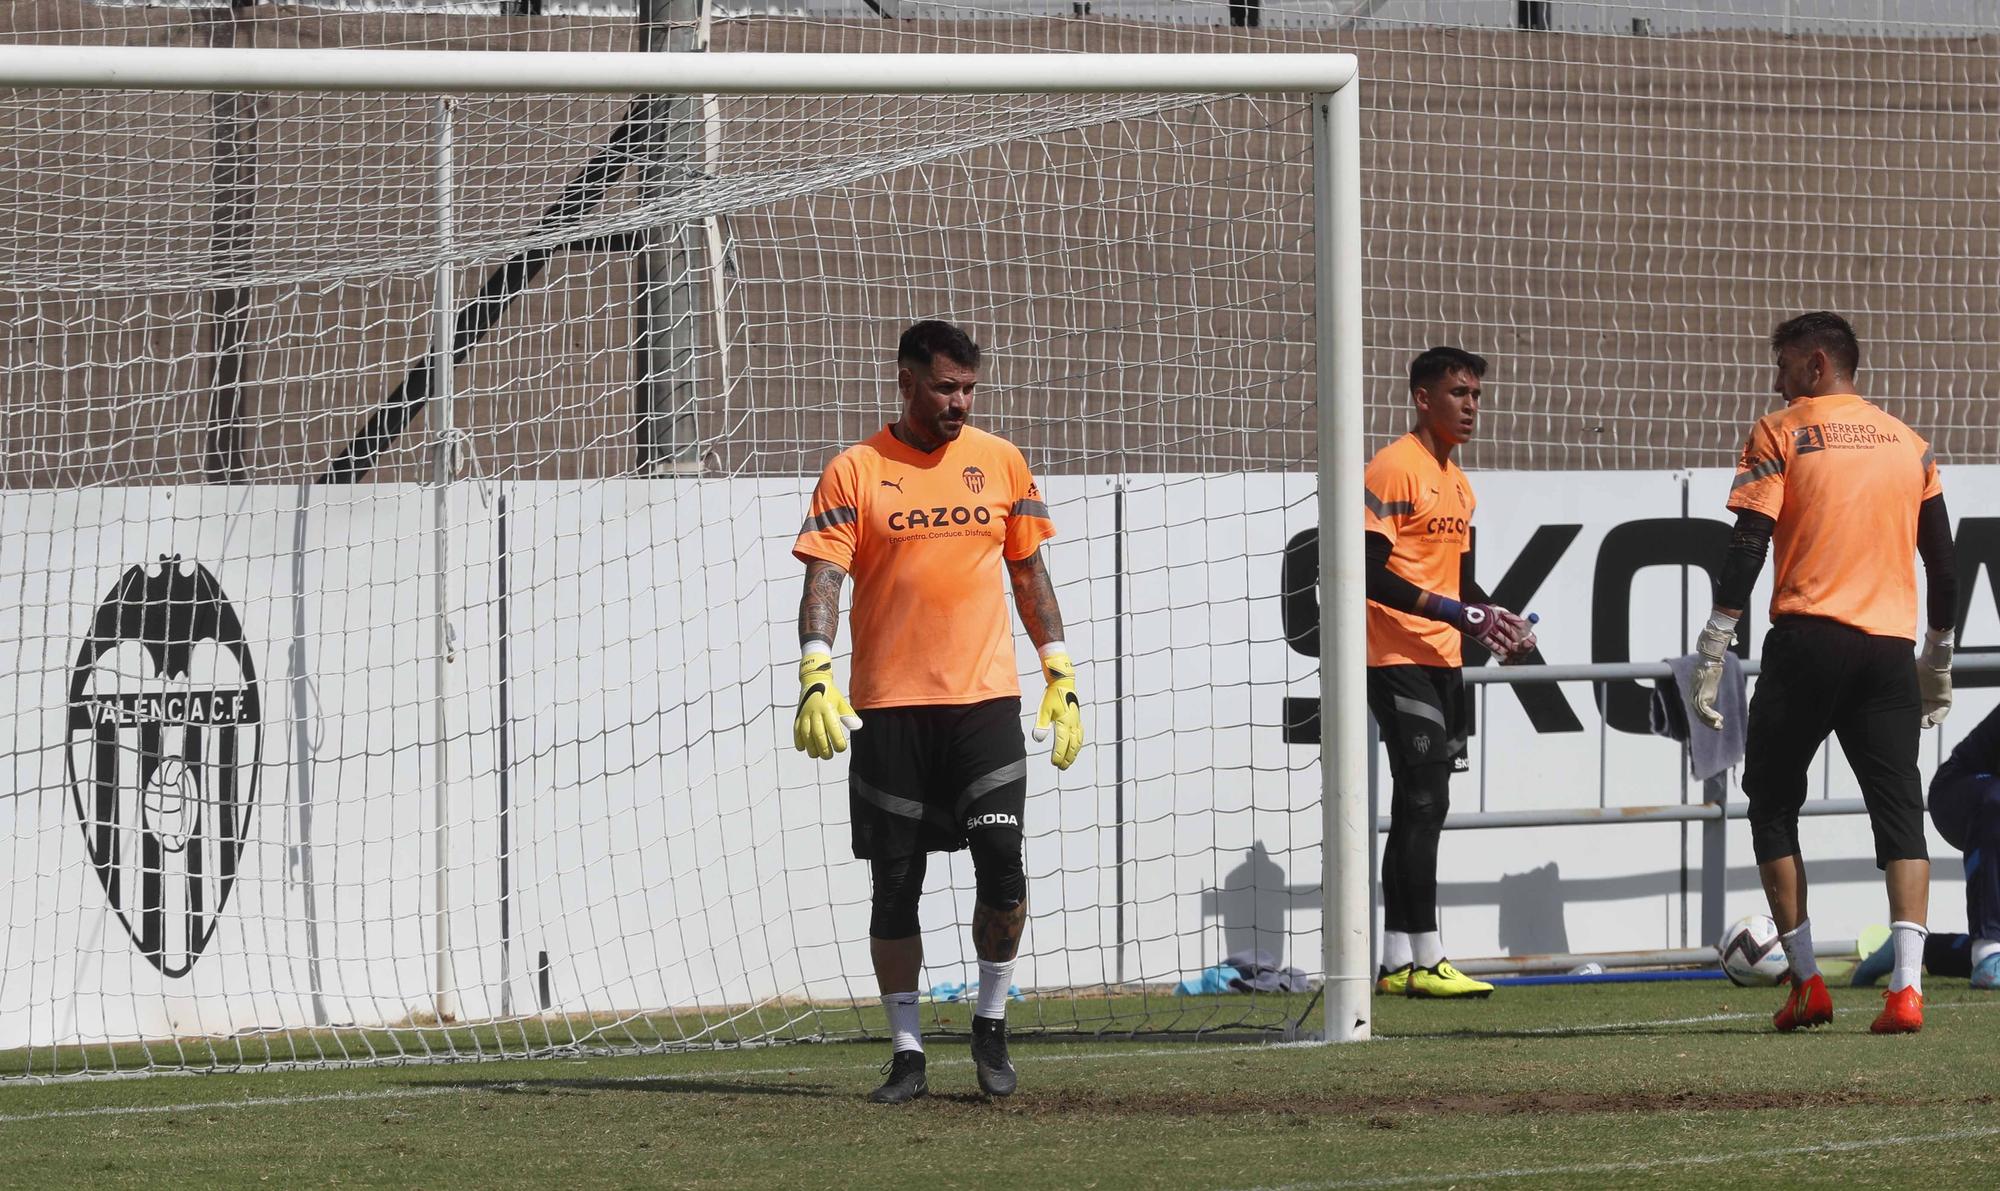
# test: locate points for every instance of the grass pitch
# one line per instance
(1606, 1085)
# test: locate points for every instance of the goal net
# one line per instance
(398, 616)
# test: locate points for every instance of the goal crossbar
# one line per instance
(498, 72)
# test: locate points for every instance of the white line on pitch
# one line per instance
(1442, 1178)
(1614, 1026)
(1029, 1058)
(555, 1083)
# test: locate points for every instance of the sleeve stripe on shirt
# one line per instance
(1930, 457)
(1770, 467)
(1388, 508)
(1029, 508)
(843, 515)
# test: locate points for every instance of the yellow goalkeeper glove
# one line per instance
(1060, 709)
(823, 710)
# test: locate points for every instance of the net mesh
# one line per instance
(401, 717)
(1615, 207)
(204, 288)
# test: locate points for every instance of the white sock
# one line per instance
(1909, 940)
(904, 1031)
(1395, 949)
(1981, 948)
(1426, 948)
(1799, 952)
(993, 981)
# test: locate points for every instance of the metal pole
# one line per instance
(1687, 750)
(1343, 628)
(1375, 815)
(666, 305)
(1588, 816)
(503, 598)
(1118, 801)
(509, 72)
(1714, 857)
(302, 756)
(444, 447)
(1615, 671)
(235, 140)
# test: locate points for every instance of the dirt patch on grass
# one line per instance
(1381, 1110)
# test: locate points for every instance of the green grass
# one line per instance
(1607, 1085)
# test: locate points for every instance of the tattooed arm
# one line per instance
(1035, 596)
(819, 606)
(825, 716)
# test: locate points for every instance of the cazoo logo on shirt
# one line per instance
(939, 517)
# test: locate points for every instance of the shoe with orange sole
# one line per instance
(1809, 1005)
(1902, 1012)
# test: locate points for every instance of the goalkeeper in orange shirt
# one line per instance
(1847, 496)
(924, 514)
(1419, 525)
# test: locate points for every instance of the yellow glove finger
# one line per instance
(812, 735)
(1069, 736)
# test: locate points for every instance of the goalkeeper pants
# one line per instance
(1421, 714)
(1417, 806)
(1965, 806)
(1822, 677)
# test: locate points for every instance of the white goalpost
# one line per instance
(403, 456)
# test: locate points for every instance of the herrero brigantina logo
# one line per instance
(165, 733)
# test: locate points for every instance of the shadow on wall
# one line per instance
(1531, 903)
(1255, 901)
(1254, 906)
(1531, 912)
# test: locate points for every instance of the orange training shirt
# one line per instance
(1426, 513)
(923, 535)
(1843, 481)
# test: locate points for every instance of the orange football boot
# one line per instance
(1902, 1012)
(1809, 1005)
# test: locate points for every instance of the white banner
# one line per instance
(220, 724)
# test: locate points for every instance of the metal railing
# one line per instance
(1713, 811)
(1604, 812)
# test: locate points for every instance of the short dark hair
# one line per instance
(1821, 330)
(934, 337)
(1435, 364)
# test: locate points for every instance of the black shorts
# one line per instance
(923, 777)
(1821, 676)
(1421, 713)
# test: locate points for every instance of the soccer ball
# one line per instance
(1752, 954)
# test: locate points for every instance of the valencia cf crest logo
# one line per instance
(974, 479)
(165, 731)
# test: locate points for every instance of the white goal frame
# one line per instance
(1332, 82)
